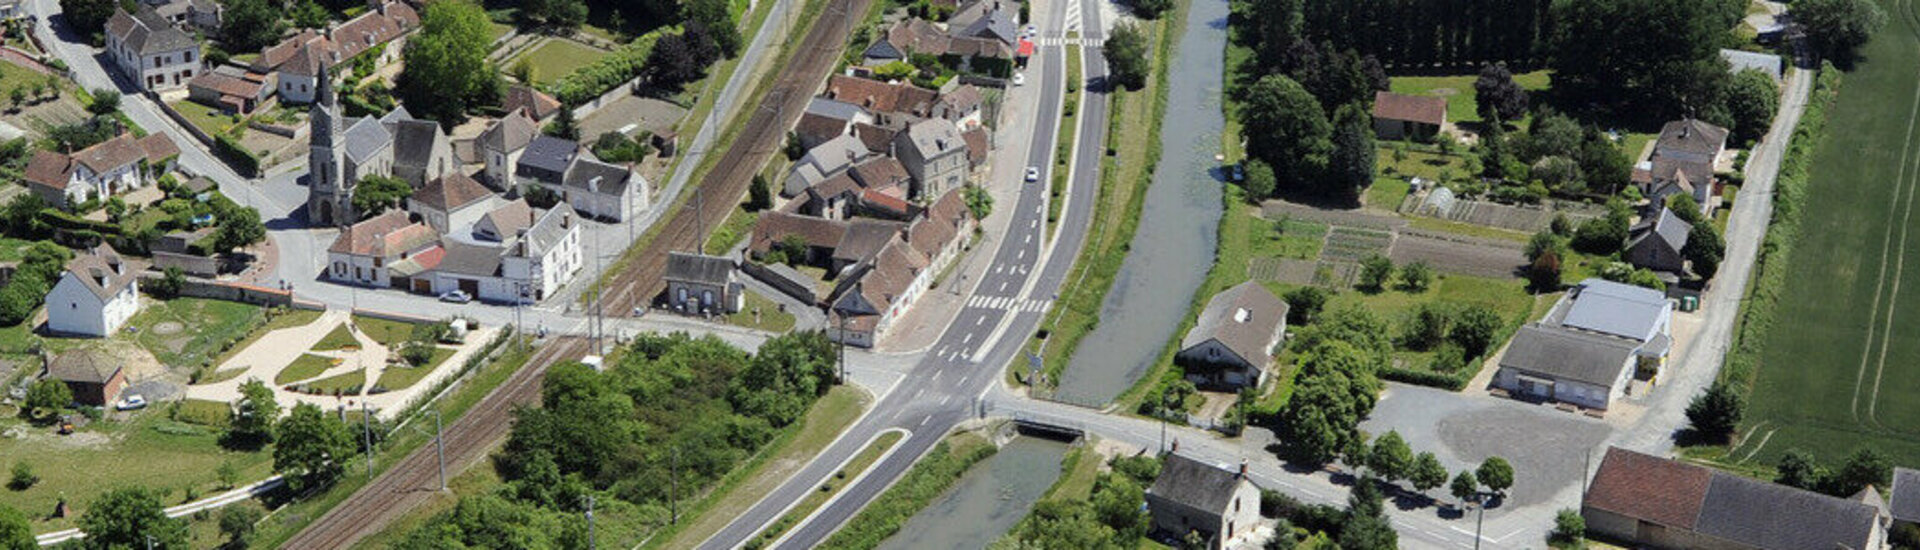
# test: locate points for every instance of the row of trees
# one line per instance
(1416, 34)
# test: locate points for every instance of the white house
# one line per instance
(451, 201)
(595, 189)
(387, 250)
(528, 266)
(1591, 346)
(95, 296)
(502, 143)
(150, 51)
(108, 168)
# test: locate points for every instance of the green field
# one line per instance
(151, 450)
(1459, 92)
(1840, 368)
(399, 378)
(306, 366)
(557, 58)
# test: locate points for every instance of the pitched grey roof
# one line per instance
(147, 32)
(1666, 227)
(934, 136)
(1195, 484)
(837, 110)
(365, 137)
(1614, 308)
(547, 158)
(865, 237)
(1244, 318)
(1568, 355)
(836, 154)
(510, 133)
(1777, 517)
(414, 142)
(698, 268)
(552, 226)
(995, 24)
(476, 260)
(102, 271)
(1691, 136)
(507, 220)
(598, 177)
(1906, 495)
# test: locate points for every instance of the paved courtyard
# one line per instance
(1547, 447)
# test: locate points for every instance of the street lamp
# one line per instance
(440, 449)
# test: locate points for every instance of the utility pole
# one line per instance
(366, 425)
(440, 449)
(590, 540)
(843, 344)
(1479, 521)
(673, 506)
(149, 542)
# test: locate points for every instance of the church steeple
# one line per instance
(326, 113)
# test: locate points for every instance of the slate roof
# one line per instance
(995, 24)
(835, 154)
(414, 142)
(1681, 172)
(1777, 517)
(102, 262)
(1423, 109)
(838, 110)
(451, 192)
(934, 137)
(547, 158)
(1665, 227)
(549, 227)
(1905, 502)
(147, 32)
(699, 269)
(1568, 355)
(1245, 319)
(1691, 136)
(511, 133)
(364, 138)
(593, 176)
(476, 260)
(1617, 309)
(83, 365)
(1195, 484)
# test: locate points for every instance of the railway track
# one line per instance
(415, 479)
(726, 185)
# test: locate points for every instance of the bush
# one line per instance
(235, 155)
(1568, 526)
(23, 476)
(590, 81)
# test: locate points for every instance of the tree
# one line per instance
(1543, 275)
(1288, 130)
(1474, 329)
(88, 16)
(313, 447)
(1684, 206)
(237, 524)
(1751, 101)
(1796, 469)
(130, 518)
(1304, 304)
(47, 396)
(760, 195)
(446, 73)
(249, 25)
(239, 228)
(1335, 389)
(105, 102)
(18, 96)
(1375, 271)
(1568, 526)
(1715, 412)
(1126, 51)
(554, 14)
(1496, 474)
(1417, 276)
(1464, 487)
(795, 148)
(377, 193)
(673, 62)
(1704, 249)
(716, 17)
(979, 201)
(15, 533)
(1427, 473)
(1601, 236)
(1542, 243)
(1150, 9)
(1661, 73)
(23, 476)
(1260, 180)
(563, 126)
(1496, 95)
(1390, 458)
(1366, 527)
(1837, 28)
(1865, 467)
(252, 424)
(1350, 166)
(309, 15)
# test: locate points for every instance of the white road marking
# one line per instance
(923, 421)
(916, 394)
(1035, 224)
(980, 321)
(936, 377)
(1028, 240)
(1003, 286)
(944, 400)
(967, 340)
(963, 379)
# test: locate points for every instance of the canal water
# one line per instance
(987, 501)
(1175, 243)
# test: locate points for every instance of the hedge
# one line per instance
(231, 152)
(1449, 382)
(626, 63)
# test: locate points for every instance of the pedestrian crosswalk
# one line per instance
(1008, 303)
(1073, 15)
(1057, 41)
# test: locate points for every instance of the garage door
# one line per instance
(470, 286)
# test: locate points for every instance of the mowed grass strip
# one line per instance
(558, 57)
(845, 476)
(1848, 290)
(306, 366)
(340, 338)
(398, 377)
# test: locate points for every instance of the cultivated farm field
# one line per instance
(1841, 367)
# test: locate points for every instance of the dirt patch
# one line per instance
(1462, 256)
(165, 328)
(77, 440)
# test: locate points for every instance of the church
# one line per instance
(343, 150)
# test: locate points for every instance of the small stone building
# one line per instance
(698, 283)
(94, 378)
(1222, 505)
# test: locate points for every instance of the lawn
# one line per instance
(340, 338)
(1458, 89)
(739, 224)
(742, 487)
(338, 384)
(212, 414)
(558, 57)
(191, 331)
(771, 318)
(387, 333)
(1063, 141)
(1840, 367)
(209, 119)
(1387, 193)
(1401, 160)
(304, 367)
(176, 458)
(399, 378)
(846, 475)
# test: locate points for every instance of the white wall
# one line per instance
(73, 309)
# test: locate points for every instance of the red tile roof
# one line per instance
(49, 169)
(526, 98)
(1422, 109)
(1649, 488)
(881, 96)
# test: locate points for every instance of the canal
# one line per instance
(987, 501)
(1175, 243)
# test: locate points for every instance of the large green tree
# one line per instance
(1336, 389)
(313, 447)
(15, 533)
(253, 417)
(1286, 128)
(1837, 28)
(1350, 165)
(446, 71)
(132, 518)
(1716, 412)
(87, 16)
(717, 18)
(1705, 248)
(1751, 102)
(377, 193)
(249, 25)
(1664, 63)
(1126, 52)
(1390, 457)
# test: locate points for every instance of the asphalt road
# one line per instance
(1005, 305)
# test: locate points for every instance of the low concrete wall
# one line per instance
(232, 292)
(198, 266)
(790, 285)
(195, 131)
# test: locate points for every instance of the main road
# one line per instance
(1006, 305)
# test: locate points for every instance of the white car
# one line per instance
(1031, 30)
(1033, 174)
(131, 402)
(1019, 79)
(456, 296)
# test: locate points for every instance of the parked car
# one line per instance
(1019, 79)
(131, 402)
(1033, 174)
(456, 296)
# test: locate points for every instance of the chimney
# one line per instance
(566, 220)
(1243, 468)
(1176, 446)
